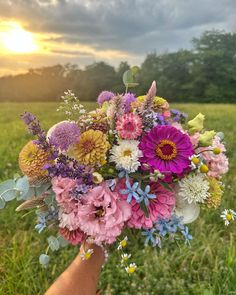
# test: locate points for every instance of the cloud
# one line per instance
(119, 28)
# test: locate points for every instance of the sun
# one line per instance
(16, 40)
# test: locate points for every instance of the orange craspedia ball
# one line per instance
(32, 160)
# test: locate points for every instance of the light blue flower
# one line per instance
(130, 191)
(41, 223)
(145, 196)
(163, 226)
(187, 236)
(148, 233)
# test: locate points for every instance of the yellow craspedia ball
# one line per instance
(195, 160)
(32, 160)
(91, 148)
(204, 168)
(216, 150)
(216, 192)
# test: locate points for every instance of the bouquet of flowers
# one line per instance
(131, 163)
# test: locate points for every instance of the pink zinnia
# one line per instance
(62, 188)
(74, 237)
(129, 126)
(162, 206)
(167, 149)
(102, 214)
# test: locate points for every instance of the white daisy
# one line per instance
(194, 188)
(126, 155)
(228, 215)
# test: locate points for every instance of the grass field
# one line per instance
(207, 268)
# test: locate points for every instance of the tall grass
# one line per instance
(207, 268)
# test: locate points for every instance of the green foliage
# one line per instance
(208, 267)
(206, 73)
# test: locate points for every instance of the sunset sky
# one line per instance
(36, 33)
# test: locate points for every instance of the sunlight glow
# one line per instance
(16, 40)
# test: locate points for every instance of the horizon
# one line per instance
(49, 32)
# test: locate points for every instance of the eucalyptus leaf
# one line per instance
(42, 189)
(6, 185)
(49, 199)
(63, 243)
(128, 77)
(53, 243)
(2, 203)
(30, 194)
(44, 260)
(22, 184)
(9, 195)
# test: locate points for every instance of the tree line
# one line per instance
(206, 73)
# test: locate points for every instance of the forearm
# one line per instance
(81, 277)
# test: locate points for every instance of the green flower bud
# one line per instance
(196, 124)
(206, 138)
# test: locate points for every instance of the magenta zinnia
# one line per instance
(129, 126)
(167, 149)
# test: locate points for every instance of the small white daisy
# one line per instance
(86, 255)
(126, 155)
(195, 161)
(131, 268)
(122, 243)
(228, 215)
(194, 188)
(125, 257)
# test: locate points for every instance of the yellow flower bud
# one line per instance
(216, 150)
(206, 138)
(204, 169)
(196, 124)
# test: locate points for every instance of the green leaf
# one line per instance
(128, 77)
(166, 186)
(53, 243)
(144, 208)
(2, 203)
(131, 85)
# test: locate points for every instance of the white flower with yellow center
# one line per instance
(131, 268)
(86, 255)
(126, 155)
(228, 215)
(122, 243)
(194, 188)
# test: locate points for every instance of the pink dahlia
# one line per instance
(129, 126)
(74, 237)
(161, 206)
(167, 149)
(62, 188)
(102, 214)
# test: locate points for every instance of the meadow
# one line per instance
(208, 267)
